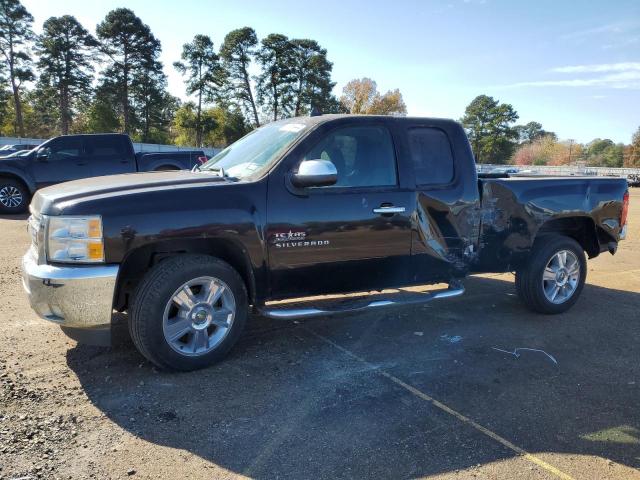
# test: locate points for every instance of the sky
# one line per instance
(573, 66)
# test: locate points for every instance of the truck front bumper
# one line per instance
(78, 298)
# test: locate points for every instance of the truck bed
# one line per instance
(514, 210)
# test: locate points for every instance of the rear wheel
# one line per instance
(554, 276)
(188, 312)
(14, 196)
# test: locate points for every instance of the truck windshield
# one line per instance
(255, 152)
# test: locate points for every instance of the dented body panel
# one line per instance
(515, 211)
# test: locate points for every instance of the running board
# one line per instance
(358, 305)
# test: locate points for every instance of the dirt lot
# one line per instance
(411, 392)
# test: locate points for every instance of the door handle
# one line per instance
(388, 209)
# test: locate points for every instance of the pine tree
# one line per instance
(237, 52)
(15, 33)
(205, 75)
(275, 83)
(124, 39)
(312, 73)
(66, 50)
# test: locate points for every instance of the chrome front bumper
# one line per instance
(75, 297)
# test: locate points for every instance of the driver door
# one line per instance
(60, 160)
(352, 236)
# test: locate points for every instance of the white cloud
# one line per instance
(618, 28)
(624, 75)
(603, 67)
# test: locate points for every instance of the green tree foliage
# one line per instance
(231, 125)
(312, 83)
(489, 125)
(237, 53)
(604, 153)
(101, 116)
(221, 125)
(66, 50)
(205, 76)
(6, 122)
(148, 87)
(275, 83)
(124, 39)
(361, 96)
(532, 131)
(15, 33)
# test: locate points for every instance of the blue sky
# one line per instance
(574, 66)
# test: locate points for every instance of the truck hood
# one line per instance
(53, 200)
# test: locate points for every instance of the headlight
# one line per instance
(75, 239)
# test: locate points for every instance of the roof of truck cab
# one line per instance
(316, 120)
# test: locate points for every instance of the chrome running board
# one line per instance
(358, 305)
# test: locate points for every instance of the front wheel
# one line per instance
(554, 276)
(188, 312)
(14, 196)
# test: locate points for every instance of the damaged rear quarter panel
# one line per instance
(514, 210)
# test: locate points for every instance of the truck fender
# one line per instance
(581, 228)
(17, 174)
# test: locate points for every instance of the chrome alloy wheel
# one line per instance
(10, 196)
(561, 276)
(198, 316)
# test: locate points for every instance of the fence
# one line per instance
(138, 147)
(561, 170)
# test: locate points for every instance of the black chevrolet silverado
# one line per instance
(302, 207)
(71, 157)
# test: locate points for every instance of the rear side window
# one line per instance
(112, 147)
(431, 156)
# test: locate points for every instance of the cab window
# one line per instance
(431, 156)
(363, 156)
(62, 149)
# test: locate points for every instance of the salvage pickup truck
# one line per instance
(302, 207)
(71, 157)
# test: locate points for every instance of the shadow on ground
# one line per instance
(288, 404)
(16, 216)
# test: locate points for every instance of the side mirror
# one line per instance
(315, 173)
(42, 155)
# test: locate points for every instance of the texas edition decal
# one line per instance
(292, 239)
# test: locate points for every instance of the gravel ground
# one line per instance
(417, 391)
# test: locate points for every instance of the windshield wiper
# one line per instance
(216, 170)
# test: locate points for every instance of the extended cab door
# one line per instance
(59, 160)
(447, 201)
(109, 154)
(354, 235)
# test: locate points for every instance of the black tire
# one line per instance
(165, 168)
(154, 293)
(12, 190)
(529, 280)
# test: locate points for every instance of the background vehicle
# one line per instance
(71, 157)
(9, 149)
(301, 207)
